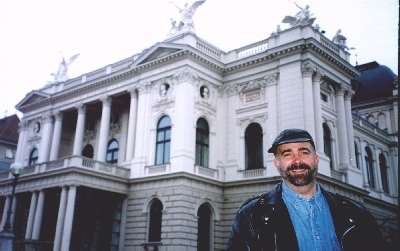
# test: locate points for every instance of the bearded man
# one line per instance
(298, 214)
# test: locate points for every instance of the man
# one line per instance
(298, 214)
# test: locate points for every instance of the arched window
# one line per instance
(202, 142)
(112, 152)
(155, 221)
(357, 155)
(88, 151)
(204, 228)
(384, 176)
(33, 157)
(163, 140)
(369, 167)
(328, 143)
(254, 147)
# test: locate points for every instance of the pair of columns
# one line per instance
(64, 220)
(313, 115)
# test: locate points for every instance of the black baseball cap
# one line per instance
(291, 136)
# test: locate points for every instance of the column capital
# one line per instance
(348, 94)
(307, 69)
(185, 76)
(340, 90)
(81, 108)
(272, 79)
(106, 100)
(133, 92)
(58, 115)
(47, 118)
(23, 125)
(318, 74)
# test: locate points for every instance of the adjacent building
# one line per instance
(162, 148)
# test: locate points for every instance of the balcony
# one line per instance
(76, 162)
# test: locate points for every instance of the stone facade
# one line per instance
(104, 130)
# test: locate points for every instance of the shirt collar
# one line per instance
(293, 196)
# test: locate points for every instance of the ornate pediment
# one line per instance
(31, 98)
(156, 52)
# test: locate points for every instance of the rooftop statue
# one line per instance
(61, 74)
(186, 14)
(340, 40)
(303, 17)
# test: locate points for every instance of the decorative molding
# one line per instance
(307, 69)
(185, 76)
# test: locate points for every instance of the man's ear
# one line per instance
(276, 162)
(316, 159)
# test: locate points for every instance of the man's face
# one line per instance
(297, 163)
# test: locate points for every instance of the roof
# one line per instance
(375, 83)
(9, 129)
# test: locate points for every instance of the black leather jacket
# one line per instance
(263, 224)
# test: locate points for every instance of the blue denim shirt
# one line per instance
(312, 221)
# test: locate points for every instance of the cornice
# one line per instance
(209, 62)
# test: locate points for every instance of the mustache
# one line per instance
(298, 166)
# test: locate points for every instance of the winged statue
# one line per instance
(61, 74)
(186, 14)
(303, 17)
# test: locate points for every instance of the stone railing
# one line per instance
(252, 49)
(205, 171)
(253, 173)
(208, 50)
(150, 170)
(333, 47)
(73, 161)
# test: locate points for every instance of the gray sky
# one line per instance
(33, 33)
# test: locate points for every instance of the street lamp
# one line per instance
(7, 236)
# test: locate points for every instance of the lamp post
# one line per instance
(7, 236)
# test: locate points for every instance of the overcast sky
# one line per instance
(34, 34)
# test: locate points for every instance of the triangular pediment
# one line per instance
(32, 97)
(156, 52)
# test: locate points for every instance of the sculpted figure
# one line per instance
(61, 74)
(186, 14)
(340, 40)
(303, 17)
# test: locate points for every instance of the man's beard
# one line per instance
(299, 179)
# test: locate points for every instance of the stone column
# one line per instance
(55, 144)
(60, 220)
(130, 144)
(308, 105)
(104, 128)
(22, 139)
(272, 128)
(319, 133)
(5, 210)
(341, 128)
(363, 165)
(38, 216)
(349, 125)
(31, 216)
(69, 217)
(80, 129)
(44, 152)
(377, 170)
(14, 207)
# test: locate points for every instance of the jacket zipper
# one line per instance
(341, 240)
